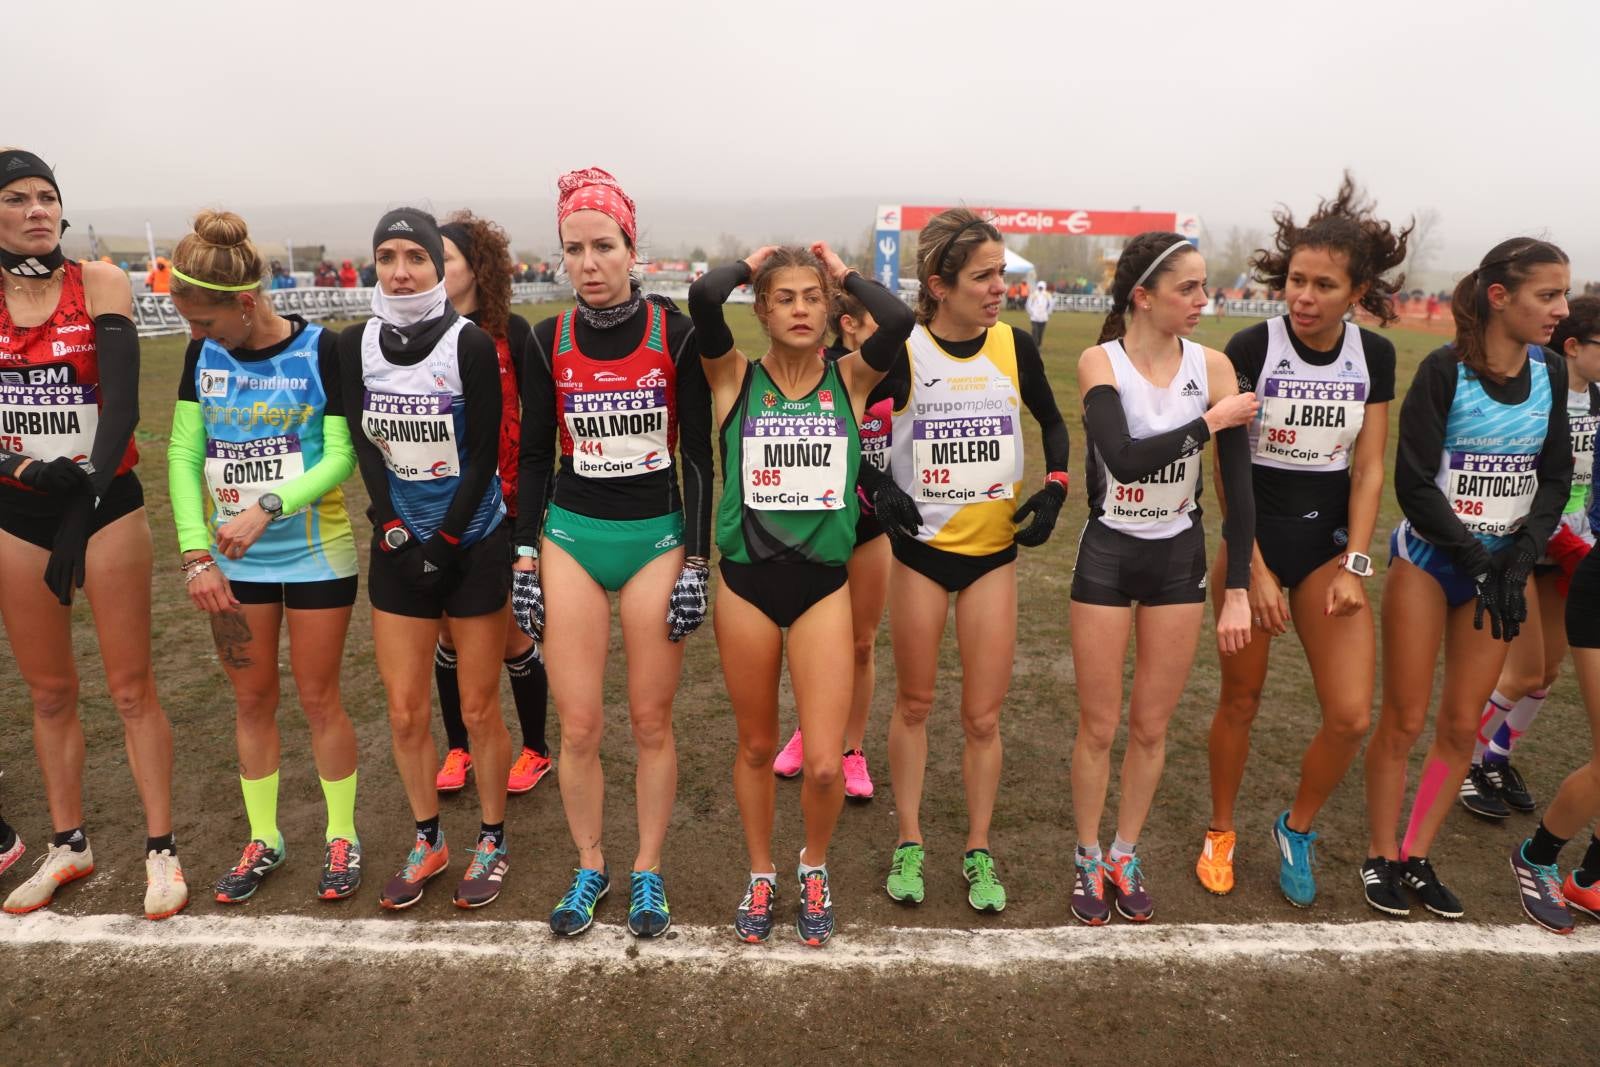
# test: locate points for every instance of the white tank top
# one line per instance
(1159, 505)
(1309, 415)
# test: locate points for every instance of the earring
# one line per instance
(247, 322)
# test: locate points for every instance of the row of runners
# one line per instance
(887, 470)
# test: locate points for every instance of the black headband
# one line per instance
(412, 225)
(944, 256)
(16, 164)
(459, 236)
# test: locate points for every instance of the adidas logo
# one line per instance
(1189, 388)
(1189, 444)
(400, 226)
(16, 163)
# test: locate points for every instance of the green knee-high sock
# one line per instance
(341, 798)
(261, 805)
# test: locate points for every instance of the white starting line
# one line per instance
(248, 941)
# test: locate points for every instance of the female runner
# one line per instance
(1151, 398)
(259, 447)
(1493, 787)
(786, 528)
(1317, 475)
(1481, 475)
(477, 278)
(427, 384)
(618, 383)
(72, 513)
(958, 453)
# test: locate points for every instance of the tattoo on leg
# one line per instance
(231, 632)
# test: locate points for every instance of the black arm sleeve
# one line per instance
(373, 473)
(1128, 459)
(191, 360)
(519, 340)
(1555, 465)
(895, 321)
(706, 297)
(328, 364)
(117, 342)
(694, 447)
(1041, 401)
(537, 451)
(480, 390)
(1416, 463)
(1239, 524)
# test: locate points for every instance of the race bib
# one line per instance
(1583, 431)
(795, 463)
(617, 433)
(1155, 498)
(1491, 493)
(415, 433)
(1310, 424)
(963, 459)
(238, 472)
(46, 421)
(877, 434)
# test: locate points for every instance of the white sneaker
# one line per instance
(12, 854)
(59, 866)
(166, 892)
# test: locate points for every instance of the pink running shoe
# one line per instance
(452, 776)
(12, 854)
(857, 782)
(526, 772)
(790, 760)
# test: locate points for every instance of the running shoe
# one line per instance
(1126, 877)
(526, 772)
(1089, 905)
(1539, 888)
(57, 867)
(905, 874)
(1581, 898)
(791, 759)
(1480, 796)
(752, 921)
(485, 874)
(422, 863)
(1380, 879)
(165, 891)
(857, 781)
(452, 777)
(1419, 876)
(256, 862)
(575, 913)
(1214, 868)
(648, 914)
(12, 854)
(816, 908)
(984, 891)
(1297, 862)
(341, 869)
(1509, 784)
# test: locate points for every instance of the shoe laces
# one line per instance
(524, 764)
(583, 892)
(648, 893)
(1549, 879)
(251, 855)
(455, 761)
(907, 862)
(816, 891)
(983, 868)
(1091, 876)
(759, 899)
(415, 858)
(482, 856)
(1127, 873)
(338, 856)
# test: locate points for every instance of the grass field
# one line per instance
(131, 1005)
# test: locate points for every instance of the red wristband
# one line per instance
(1058, 477)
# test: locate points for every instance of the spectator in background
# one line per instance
(1040, 304)
(326, 277)
(347, 275)
(1219, 303)
(1433, 306)
(281, 279)
(367, 275)
(159, 280)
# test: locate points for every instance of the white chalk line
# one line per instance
(248, 941)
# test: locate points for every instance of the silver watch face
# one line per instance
(271, 503)
(396, 537)
(1359, 564)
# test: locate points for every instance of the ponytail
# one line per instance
(1142, 263)
(1508, 263)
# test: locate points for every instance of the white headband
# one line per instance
(1154, 263)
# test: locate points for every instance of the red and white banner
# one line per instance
(1066, 221)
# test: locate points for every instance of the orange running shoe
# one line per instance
(452, 777)
(1215, 865)
(405, 888)
(1581, 899)
(526, 772)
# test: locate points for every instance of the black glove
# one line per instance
(527, 604)
(65, 571)
(687, 608)
(59, 477)
(1487, 587)
(438, 556)
(1514, 571)
(893, 506)
(1045, 507)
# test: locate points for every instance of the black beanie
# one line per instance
(459, 236)
(415, 225)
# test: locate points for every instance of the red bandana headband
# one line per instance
(593, 189)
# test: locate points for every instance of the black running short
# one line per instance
(867, 527)
(299, 596)
(478, 583)
(783, 591)
(1116, 570)
(34, 518)
(1293, 547)
(1583, 604)
(951, 570)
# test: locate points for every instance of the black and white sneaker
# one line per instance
(255, 863)
(1481, 796)
(1510, 785)
(1380, 878)
(1420, 877)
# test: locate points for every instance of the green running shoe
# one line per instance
(984, 891)
(905, 874)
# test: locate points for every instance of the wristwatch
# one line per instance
(272, 504)
(1358, 564)
(527, 552)
(396, 537)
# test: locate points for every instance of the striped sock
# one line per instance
(1518, 720)
(1494, 713)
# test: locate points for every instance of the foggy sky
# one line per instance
(1480, 110)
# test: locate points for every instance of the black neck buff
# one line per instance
(15, 164)
(411, 325)
(607, 318)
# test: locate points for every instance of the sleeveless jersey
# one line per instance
(1584, 419)
(417, 417)
(956, 445)
(1309, 415)
(789, 473)
(1489, 467)
(50, 382)
(263, 422)
(1159, 505)
(510, 425)
(617, 418)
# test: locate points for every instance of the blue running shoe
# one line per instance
(648, 914)
(816, 908)
(1297, 859)
(575, 913)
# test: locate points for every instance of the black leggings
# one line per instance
(530, 689)
(1583, 604)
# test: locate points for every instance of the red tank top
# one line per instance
(49, 375)
(617, 417)
(510, 425)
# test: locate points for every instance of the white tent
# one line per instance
(1015, 264)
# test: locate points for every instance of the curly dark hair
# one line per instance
(489, 257)
(1345, 224)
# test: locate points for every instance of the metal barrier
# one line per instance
(154, 313)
